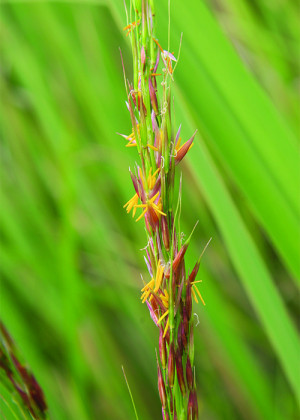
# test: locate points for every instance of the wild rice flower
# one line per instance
(168, 293)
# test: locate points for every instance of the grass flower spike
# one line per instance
(169, 291)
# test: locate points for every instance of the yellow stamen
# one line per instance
(131, 203)
(178, 150)
(156, 42)
(157, 209)
(195, 297)
(129, 27)
(149, 178)
(199, 294)
(166, 328)
(154, 198)
(165, 298)
(156, 172)
(165, 302)
(163, 316)
(159, 276)
(178, 144)
(143, 214)
(152, 147)
(142, 178)
(146, 296)
(150, 284)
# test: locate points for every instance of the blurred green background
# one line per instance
(70, 255)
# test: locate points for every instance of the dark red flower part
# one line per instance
(137, 102)
(171, 403)
(162, 349)
(179, 341)
(22, 394)
(189, 374)
(190, 413)
(161, 387)
(184, 149)
(188, 300)
(20, 368)
(194, 272)
(142, 109)
(178, 299)
(135, 182)
(179, 257)
(133, 96)
(185, 321)
(152, 218)
(37, 394)
(177, 260)
(183, 335)
(171, 365)
(165, 232)
(158, 302)
(156, 188)
(179, 370)
(193, 406)
(33, 387)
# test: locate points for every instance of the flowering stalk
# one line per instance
(18, 379)
(168, 294)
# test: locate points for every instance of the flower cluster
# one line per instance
(168, 293)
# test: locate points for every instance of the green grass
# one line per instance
(70, 259)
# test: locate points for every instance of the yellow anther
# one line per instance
(166, 328)
(163, 316)
(199, 294)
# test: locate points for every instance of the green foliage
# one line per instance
(70, 261)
